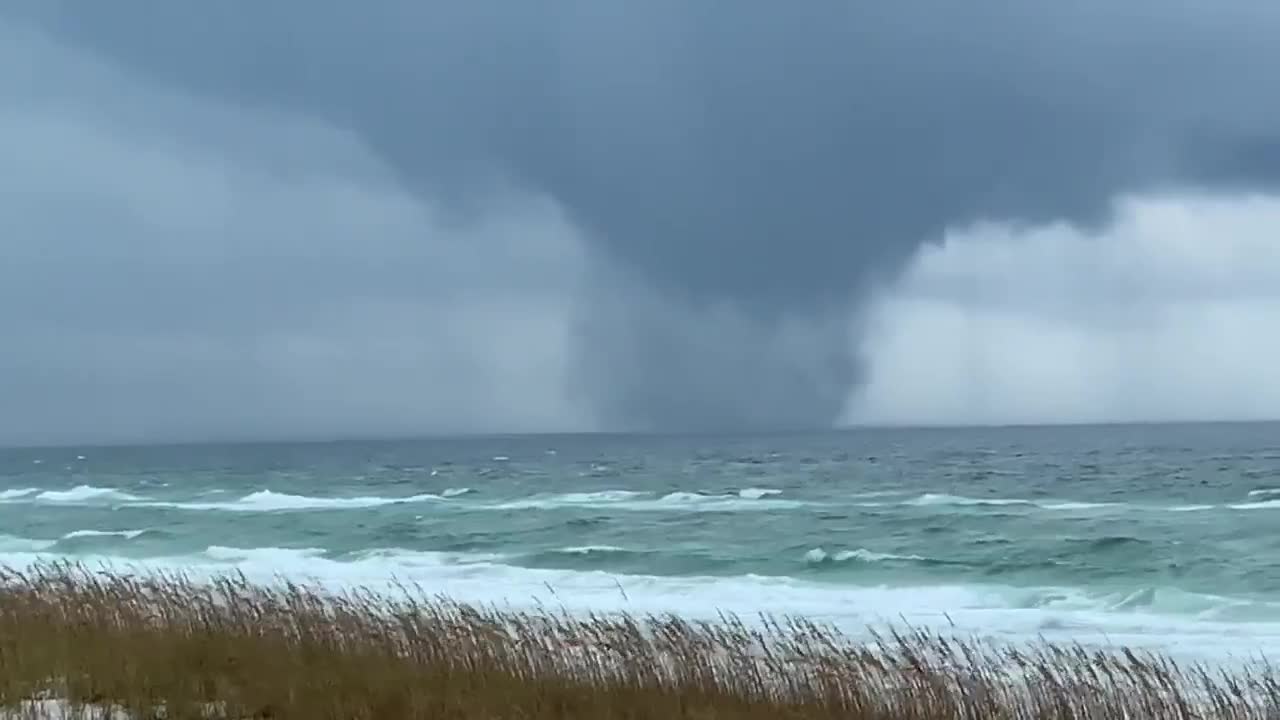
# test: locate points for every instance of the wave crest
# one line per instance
(648, 501)
(944, 500)
(1260, 505)
(755, 493)
(819, 556)
(592, 550)
(83, 493)
(270, 501)
(126, 534)
(17, 493)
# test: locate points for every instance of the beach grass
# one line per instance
(164, 646)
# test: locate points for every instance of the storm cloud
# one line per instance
(326, 217)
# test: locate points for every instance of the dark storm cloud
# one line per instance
(740, 170)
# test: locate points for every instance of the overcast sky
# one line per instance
(321, 218)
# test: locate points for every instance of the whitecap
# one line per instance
(757, 493)
(1260, 505)
(943, 499)
(455, 492)
(83, 493)
(604, 496)
(271, 555)
(644, 501)
(681, 496)
(818, 556)
(127, 534)
(17, 493)
(877, 493)
(1264, 492)
(871, 556)
(551, 502)
(699, 501)
(591, 549)
(269, 501)
(932, 499)
(1071, 505)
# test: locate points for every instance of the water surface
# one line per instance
(1162, 536)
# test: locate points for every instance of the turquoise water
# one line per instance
(1153, 535)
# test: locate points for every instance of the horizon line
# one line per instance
(525, 435)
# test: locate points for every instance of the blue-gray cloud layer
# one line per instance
(739, 171)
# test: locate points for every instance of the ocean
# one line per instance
(1162, 537)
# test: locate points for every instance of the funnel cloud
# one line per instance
(421, 216)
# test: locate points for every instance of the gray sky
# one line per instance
(333, 218)
(1169, 312)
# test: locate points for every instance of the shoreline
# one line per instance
(228, 648)
(1006, 615)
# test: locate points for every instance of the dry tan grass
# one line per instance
(164, 646)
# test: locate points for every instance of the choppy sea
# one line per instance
(1164, 537)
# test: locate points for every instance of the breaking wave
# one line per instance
(1137, 616)
(757, 493)
(756, 499)
(592, 550)
(269, 501)
(126, 534)
(943, 500)
(1260, 505)
(819, 556)
(83, 493)
(744, 499)
(17, 493)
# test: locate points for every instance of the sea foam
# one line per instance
(83, 493)
(818, 556)
(592, 550)
(679, 500)
(1140, 617)
(127, 534)
(17, 493)
(1260, 505)
(269, 501)
(942, 500)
